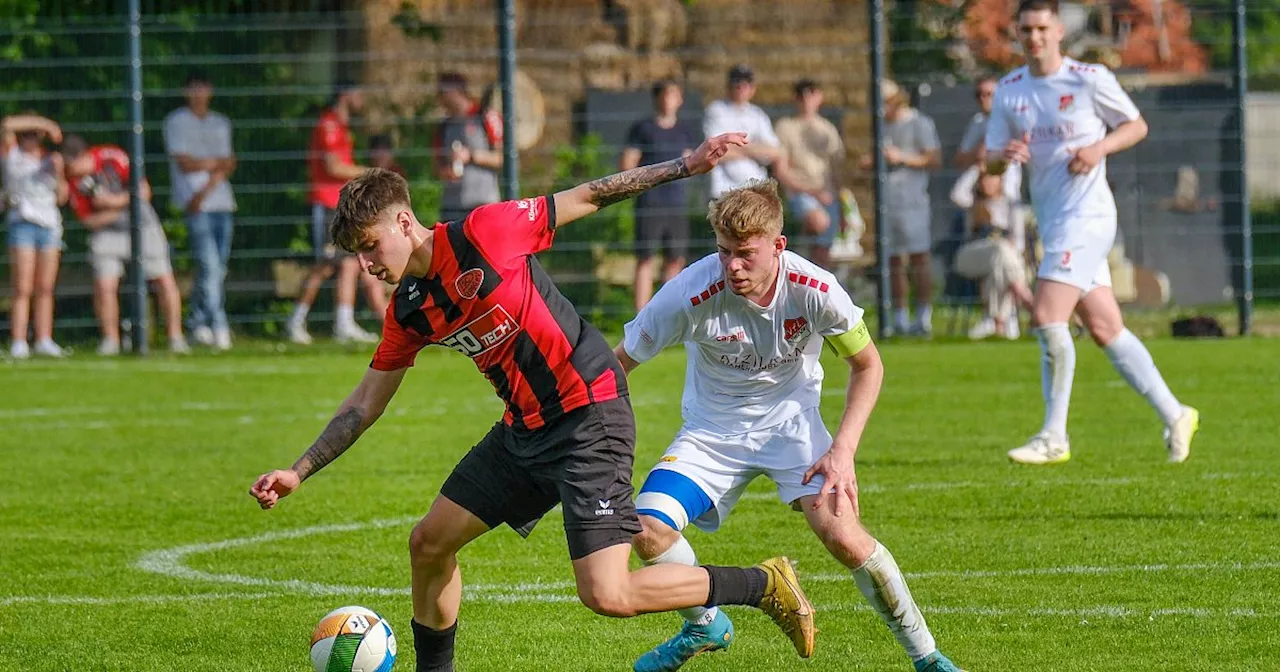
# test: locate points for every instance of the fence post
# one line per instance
(138, 307)
(1241, 76)
(507, 75)
(885, 310)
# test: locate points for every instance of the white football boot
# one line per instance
(1177, 437)
(1042, 449)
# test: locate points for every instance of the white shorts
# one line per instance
(910, 230)
(703, 474)
(1075, 252)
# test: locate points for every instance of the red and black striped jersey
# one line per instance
(487, 297)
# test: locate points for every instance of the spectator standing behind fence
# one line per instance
(36, 187)
(468, 150)
(814, 153)
(662, 217)
(737, 114)
(911, 150)
(331, 162)
(992, 252)
(201, 161)
(99, 177)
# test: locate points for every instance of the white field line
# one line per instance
(956, 485)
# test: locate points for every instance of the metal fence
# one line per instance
(584, 69)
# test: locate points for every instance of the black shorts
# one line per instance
(662, 229)
(582, 461)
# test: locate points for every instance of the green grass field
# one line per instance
(129, 541)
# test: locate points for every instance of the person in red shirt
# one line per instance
(568, 433)
(99, 177)
(331, 163)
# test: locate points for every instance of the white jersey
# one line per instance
(749, 367)
(1062, 112)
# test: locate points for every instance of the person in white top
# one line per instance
(1053, 115)
(753, 319)
(201, 161)
(992, 254)
(36, 187)
(738, 114)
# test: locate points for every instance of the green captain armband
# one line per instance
(850, 342)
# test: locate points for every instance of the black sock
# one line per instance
(434, 647)
(736, 585)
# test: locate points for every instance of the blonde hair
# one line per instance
(754, 209)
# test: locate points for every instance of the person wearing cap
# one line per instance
(736, 113)
(332, 164)
(814, 153)
(911, 151)
(201, 161)
(468, 150)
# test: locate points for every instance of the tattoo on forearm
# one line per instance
(342, 431)
(624, 185)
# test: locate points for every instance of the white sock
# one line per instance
(882, 583)
(300, 311)
(1057, 371)
(681, 553)
(1133, 361)
(344, 317)
(924, 314)
(901, 318)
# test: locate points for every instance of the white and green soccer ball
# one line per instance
(353, 639)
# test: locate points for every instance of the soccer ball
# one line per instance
(353, 639)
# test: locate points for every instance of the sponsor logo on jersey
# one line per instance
(795, 328)
(1053, 133)
(530, 205)
(707, 293)
(483, 333)
(414, 292)
(737, 335)
(802, 279)
(668, 458)
(468, 284)
(1065, 102)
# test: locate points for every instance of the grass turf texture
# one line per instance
(1115, 561)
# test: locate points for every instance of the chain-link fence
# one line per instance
(586, 69)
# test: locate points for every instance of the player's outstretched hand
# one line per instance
(271, 486)
(839, 481)
(709, 153)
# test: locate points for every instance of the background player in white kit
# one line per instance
(753, 319)
(1052, 115)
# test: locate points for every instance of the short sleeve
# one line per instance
(716, 121)
(662, 322)
(1110, 100)
(511, 230)
(928, 134)
(175, 141)
(328, 134)
(763, 133)
(836, 143)
(973, 135)
(999, 126)
(493, 129)
(399, 347)
(635, 137)
(837, 314)
(962, 191)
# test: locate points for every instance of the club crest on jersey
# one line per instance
(1065, 102)
(795, 329)
(468, 284)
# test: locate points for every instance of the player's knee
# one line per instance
(848, 542)
(427, 548)
(654, 539)
(612, 601)
(1103, 332)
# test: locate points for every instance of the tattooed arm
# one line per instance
(585, 199)
(356, 414)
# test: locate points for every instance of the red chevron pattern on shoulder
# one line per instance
(710, 291)
(802, 279)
